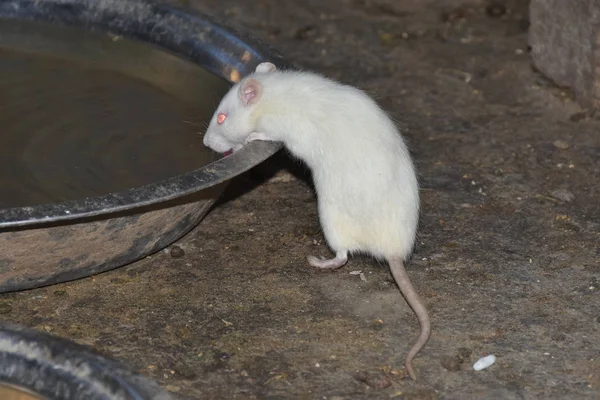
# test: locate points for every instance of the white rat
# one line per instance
(367, 190)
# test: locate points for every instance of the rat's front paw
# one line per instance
(256, 136)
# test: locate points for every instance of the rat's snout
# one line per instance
(210, 142)
(216, 142)
(206, 139)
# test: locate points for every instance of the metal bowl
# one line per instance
(38, 366)
(53, 242)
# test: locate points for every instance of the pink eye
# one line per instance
(221, 118)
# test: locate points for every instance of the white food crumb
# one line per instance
(484, 362)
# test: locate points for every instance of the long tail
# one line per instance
(413, 299)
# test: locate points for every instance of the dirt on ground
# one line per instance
(508, 255)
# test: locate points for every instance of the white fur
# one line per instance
(365, 179)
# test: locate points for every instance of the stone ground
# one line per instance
(508, 259)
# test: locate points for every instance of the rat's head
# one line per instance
(235, 117)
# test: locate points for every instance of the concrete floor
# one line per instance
(508, 259)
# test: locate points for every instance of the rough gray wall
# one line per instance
(563, 36)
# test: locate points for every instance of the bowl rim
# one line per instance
(189, 34)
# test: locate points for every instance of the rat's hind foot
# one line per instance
(334, 263)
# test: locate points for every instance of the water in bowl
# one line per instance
(87, 113)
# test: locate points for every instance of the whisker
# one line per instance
(191, 123)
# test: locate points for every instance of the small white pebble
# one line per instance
(546, 354)
(317, 365)
(355, 272)
(484, 362)
(67, 212)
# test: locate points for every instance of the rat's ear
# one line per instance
(265, 67)
(250, 91)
